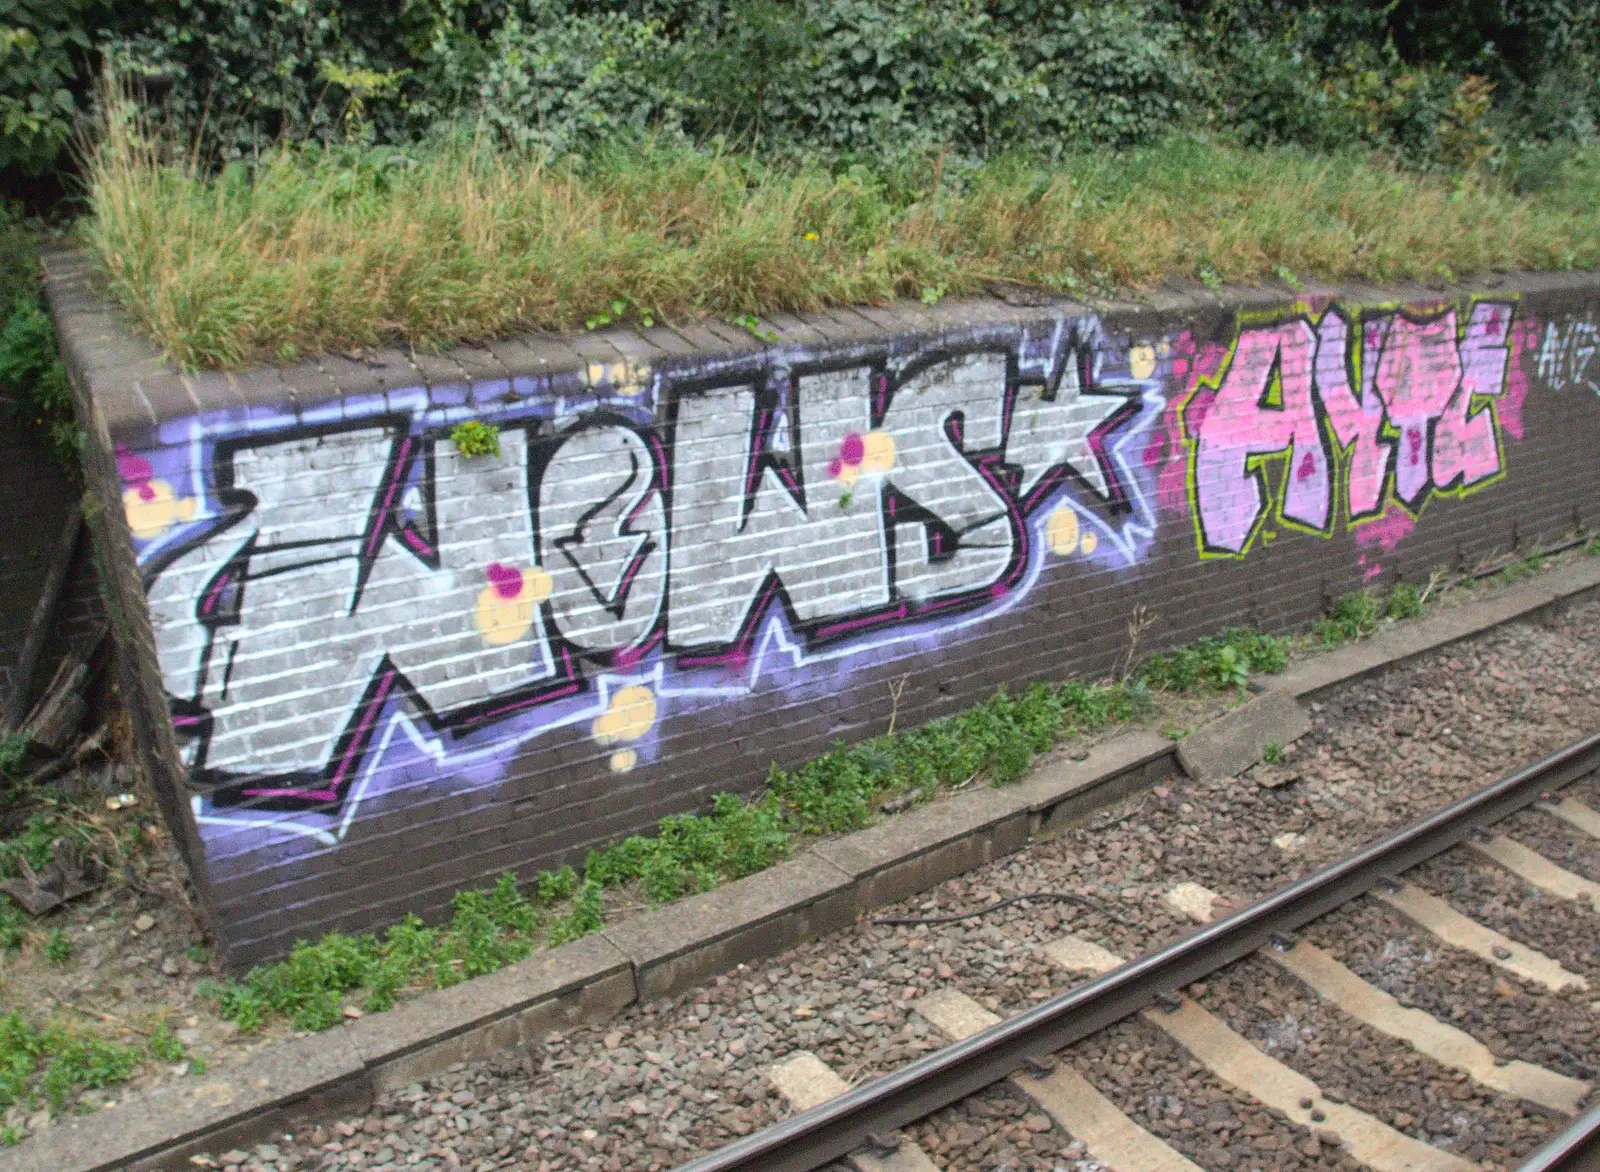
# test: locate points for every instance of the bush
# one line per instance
(851, 78)
(563, 85)
(1107, 74)
(44, 59)
(33, 381)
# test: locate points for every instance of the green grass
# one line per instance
(53, 1063)
(840, 791)
(308, 248)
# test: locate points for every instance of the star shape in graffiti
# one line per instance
(1050, 433)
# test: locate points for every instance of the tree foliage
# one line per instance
(1431, 80)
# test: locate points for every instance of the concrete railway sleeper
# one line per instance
(1165, 988)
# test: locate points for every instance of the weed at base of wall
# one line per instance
(838, 792)
(52, 1063)
(841, 791)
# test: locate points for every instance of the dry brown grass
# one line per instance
(315, 250)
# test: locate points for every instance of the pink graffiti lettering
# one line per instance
(1424, 420)
(1357, 424)
(1241, 424)
(1466, 449)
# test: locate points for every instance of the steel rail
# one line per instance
(813, 1138)
(1577, 1149)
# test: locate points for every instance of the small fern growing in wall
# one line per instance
(475, 438)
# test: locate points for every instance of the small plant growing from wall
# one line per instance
(1404, 602)
(475, 438)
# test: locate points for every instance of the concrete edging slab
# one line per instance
(666, 951)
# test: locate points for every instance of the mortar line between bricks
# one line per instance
(68, 1147)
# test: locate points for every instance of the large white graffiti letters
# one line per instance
(356, 564)
(602, 536)
(341, 572)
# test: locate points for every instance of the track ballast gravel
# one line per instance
(674, 1078)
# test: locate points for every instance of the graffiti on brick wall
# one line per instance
(1569, 355)
(343, 601)
(1321, 421)
(346, 607)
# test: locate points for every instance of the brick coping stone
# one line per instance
(663, 952)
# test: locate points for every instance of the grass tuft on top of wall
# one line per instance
(310, 248)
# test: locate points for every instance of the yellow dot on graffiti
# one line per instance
(152, 508)
(536, 583)
(1142, 361)
(504, 618)
(623, 760)
(632, 380)
(878, 456)
(501, 620)
(1090, 543)
(630, 715)
(849, 474)
(1061, 531)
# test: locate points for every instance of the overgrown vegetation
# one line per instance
(1355, 616)
(33, 381)
(1225, 660)
(304, 174)
(111, 840)
(50, 1061)
(310, 248)
(53, 1062)
(840, 791)
(1453, 80)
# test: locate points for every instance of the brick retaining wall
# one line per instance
(376, 670)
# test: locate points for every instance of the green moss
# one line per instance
(476, 438)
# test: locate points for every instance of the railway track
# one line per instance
(1032, 1052)
(669, 1080)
